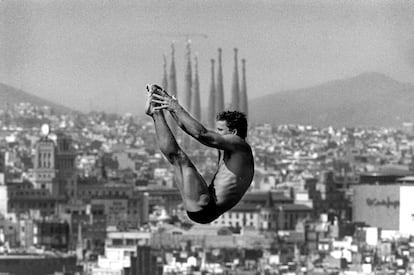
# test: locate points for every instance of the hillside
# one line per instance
(369, 99)
(12, 95)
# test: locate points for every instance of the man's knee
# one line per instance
(179, 157)
(174, 155)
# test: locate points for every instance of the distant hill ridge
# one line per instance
(369, 99)
(12, 96)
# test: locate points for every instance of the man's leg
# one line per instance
(198, 200)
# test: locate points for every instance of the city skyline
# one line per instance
(99, 54)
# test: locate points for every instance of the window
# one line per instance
(117, 242)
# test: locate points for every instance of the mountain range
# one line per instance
(368, 99)
(11, 95)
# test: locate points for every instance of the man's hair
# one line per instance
(235, 120)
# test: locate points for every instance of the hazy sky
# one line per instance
(100, 54)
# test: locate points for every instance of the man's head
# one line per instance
(232, 122)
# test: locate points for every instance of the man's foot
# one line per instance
(153, 88)
(149, 105)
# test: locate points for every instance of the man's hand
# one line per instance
(166, 102)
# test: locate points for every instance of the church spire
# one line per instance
(188, 79)
(235, 85)
(172, 88)
(211, 100)
(220, 90)
(243, 91)
(164, 75)
(195, 99)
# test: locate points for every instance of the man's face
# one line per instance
(221, 127)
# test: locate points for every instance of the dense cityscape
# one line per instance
(91, 194)
(308, 102)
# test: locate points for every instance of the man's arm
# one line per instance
(194, 128)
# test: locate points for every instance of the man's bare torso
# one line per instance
(234, 175)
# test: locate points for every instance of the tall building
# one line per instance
(235, 86)
(66, 173)
(53, 177)
(220, 89)
(44, 170)
(211, 100)
(243, 91)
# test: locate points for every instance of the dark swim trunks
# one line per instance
(209, 213)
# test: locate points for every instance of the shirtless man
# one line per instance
(204, 202)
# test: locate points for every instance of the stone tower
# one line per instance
(211, 113)
(235, 85)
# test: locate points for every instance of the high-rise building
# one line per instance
(235, 85)
(211, 99)
(220, 89)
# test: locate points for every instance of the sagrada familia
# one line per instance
(191, 91)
